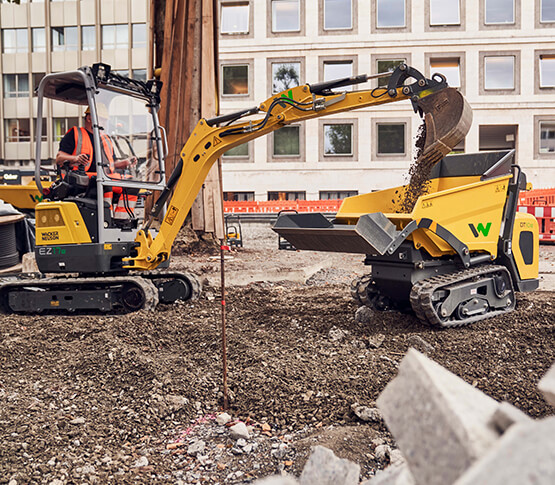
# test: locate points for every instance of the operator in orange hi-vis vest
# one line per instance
(77, 149)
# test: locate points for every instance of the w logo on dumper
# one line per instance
(480, 229)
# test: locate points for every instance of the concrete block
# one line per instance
(440, 423)
(506, 415)
(547, 386)
(524, 455)
(393, 475)
(324, 468)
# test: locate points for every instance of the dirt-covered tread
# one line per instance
(421, 297)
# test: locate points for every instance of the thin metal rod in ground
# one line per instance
(224, 340)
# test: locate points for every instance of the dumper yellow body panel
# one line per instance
(472, 210)
(59, 223)
(22, 196)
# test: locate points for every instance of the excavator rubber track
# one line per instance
(463, 297)
(35, 293)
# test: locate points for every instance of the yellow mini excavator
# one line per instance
(91, 258)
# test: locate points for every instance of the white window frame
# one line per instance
(405, 14)
(486, 73)
(17, 93)
(499, 23)
(439, 24)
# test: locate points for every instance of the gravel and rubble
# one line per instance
(110, 398)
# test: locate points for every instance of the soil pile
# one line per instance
(105, 391)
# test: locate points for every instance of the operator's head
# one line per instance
(101, 112)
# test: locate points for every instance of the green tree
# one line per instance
(286, 76)
(338, 139)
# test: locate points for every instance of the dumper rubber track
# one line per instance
(365, 292)
(489, 293)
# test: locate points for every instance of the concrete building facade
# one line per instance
(39, 37)
(501, 53)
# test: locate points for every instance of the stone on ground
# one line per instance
(440, 422)
(238, 431)
(393, 475)
(366, 413)
(324, 468)
(524, 455)
(506, 415)
(547, 386)
(223, 418)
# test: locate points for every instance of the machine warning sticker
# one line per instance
(170, 216)
(216, 141)
(107, 247)
(50, 236)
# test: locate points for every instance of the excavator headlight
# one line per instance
(49, 218)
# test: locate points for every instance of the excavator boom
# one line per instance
(446, 114)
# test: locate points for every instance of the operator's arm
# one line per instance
(67, 146)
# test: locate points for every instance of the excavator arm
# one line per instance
(445, 112)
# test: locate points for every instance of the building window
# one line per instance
(61, 125)
(547, 137)
(287, 142)
(238, 196)
(287, 195)
(445, 12)
(64, 39)
(138, 32)
(43, 135)
(235, 80)
(234, 18)
(16, 85)
(500, 12)
(88, 38)
(547, 71)
(338, 139)
(139, 74)
(499, 72)
(337, 194)
(286, 16)
(338, 14)
(14, 41)
(17, 130)
(390, 13)
(115, 36)
(450, 68)
(391, 138)
(285, 75)
(497, 137)
(338, 70)
(240, 151)
(547, 11)
(386, 65)
(39, 39)
(36, 79)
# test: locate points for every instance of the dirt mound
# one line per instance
(103, 391)
(189, 242)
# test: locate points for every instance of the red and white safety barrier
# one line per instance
(546, 219)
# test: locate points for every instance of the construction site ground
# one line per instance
(105, 398)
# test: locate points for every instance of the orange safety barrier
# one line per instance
(546, 220)
(275, 206)
(538, 197)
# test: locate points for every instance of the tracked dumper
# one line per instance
(458, 257)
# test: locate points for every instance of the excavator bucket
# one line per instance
(447, 118)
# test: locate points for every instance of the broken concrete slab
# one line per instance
(547, 386)
(524, 455)
(440, 422)
(393, 475)
(324, 468)
(506, 415)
